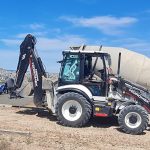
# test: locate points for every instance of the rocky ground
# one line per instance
(31, 128)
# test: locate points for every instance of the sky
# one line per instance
(59, 24)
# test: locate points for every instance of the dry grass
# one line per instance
(4, 144)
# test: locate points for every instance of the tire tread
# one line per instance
(135, 108)
(88, 110)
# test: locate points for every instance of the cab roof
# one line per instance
(86, 52)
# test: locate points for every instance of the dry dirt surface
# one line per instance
(36, 129)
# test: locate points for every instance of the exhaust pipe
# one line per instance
(119, 62)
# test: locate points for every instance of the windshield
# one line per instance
(70, 68)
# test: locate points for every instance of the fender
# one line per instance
(124, 104)
(76, 88)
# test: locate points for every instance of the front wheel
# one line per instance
(133, 119)
(73, 110)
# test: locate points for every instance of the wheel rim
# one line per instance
(133, 120)
(72, 110)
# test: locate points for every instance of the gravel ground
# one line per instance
(36, 129)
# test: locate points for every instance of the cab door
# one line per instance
(70, 69)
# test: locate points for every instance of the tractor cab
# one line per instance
(79, 67)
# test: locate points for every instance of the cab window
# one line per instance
(70, 68)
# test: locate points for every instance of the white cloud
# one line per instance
(49, 49)
(146, 11)
(8, 59)
(46, 43)
(10, 42)
(21, 35)
(55, 30)
(61, 42)
(107, 24)
(36, 26)
(38, 34)
(135, 44)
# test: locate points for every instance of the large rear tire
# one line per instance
(73, 110)
(133, 119)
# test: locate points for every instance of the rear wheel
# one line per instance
(73, 110)
(133, 119)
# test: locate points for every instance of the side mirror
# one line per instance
(60, 61)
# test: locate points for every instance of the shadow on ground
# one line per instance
(95, 121)
(39, 112)
(103, 122)
(143, 133)
(121, 131)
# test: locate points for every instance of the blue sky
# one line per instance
(62, 23)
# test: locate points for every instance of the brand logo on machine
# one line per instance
(136, 92)
(35, 73)
(23, 56)
(138, 95)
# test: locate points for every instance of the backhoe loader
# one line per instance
(82, 91)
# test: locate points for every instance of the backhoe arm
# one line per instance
(26, 48)
(28, 56)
